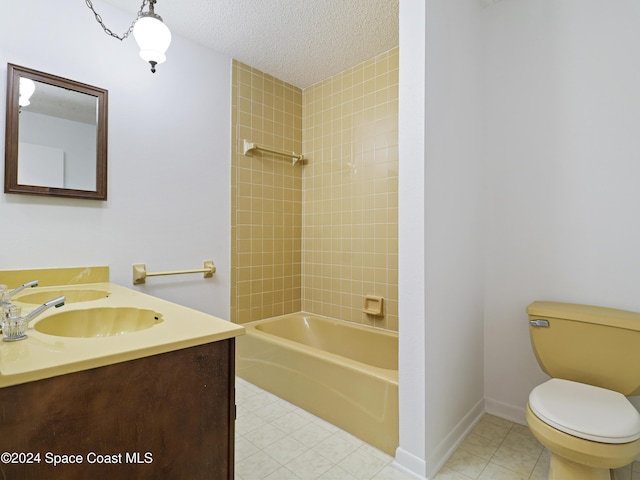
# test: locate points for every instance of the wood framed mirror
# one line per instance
(56, 137)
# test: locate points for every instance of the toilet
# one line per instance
(582, 414)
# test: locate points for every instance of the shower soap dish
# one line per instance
(373, 305)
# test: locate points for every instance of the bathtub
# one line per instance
(342, 372)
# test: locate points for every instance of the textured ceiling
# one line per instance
(299, 41)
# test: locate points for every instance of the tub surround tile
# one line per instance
(343, 201)
(350, 185)
(266, 197)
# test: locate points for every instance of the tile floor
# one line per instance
(497, 449)
(276, 440)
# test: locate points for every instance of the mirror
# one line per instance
(56, 136)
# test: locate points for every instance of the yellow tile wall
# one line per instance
(317, 237)
(266, 197)
(350, 192)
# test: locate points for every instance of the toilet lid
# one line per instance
(585, 411)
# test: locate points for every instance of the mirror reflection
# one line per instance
(56, 136)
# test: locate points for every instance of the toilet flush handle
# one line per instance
(539, 323)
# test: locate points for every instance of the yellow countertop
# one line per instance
(42, 356)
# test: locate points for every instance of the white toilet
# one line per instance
(581, 414)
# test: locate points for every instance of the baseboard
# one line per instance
(504, 410)
(417, 467)
(410, 464)
(452, 441)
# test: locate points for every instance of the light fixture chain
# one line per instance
(107, 30)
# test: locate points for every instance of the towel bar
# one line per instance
(140, 272)
(248, 146)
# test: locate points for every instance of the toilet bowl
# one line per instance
(589, 430)
(581, 414)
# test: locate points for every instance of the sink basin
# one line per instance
(72, 296)
(98, 322)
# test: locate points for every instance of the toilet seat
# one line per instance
(585, 411)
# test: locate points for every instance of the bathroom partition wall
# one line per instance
(317, 236)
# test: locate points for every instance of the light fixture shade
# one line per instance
(27, 87)
(153, 38)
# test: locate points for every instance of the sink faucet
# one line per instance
(5, 295)
(5, 298)
(56, 302)
(14, 327)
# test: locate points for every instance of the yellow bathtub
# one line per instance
(342, 372)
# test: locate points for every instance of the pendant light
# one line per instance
(152, 35)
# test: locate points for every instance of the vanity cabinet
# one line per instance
(169, 415)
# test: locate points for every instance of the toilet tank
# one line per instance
(594, 345)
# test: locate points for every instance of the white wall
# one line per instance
(454, 220)
(563, 168)
(441, 230)
(169, 157)
(411, 454)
